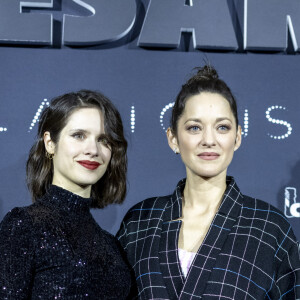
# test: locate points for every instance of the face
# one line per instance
(81, 155)
(207, 135)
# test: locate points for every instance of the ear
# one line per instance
(238, 139)
(49, 144)
(172, 141)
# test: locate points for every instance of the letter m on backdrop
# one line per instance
(209, 21)
(266, 24)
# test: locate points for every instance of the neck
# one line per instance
(204, 194)
(82, 191)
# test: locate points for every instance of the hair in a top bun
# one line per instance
(205, 80)
(204, 73)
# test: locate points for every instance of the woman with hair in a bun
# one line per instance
(54, 249)
(207, 240)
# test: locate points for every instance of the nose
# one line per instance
(208, 138)
(91, 147)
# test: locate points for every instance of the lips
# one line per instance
(91, 165)
(209, 155)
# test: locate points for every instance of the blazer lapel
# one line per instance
(168, 254)
(168, 257)
(152, 282)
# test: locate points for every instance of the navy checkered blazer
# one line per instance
(249, 252)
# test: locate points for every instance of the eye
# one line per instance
(194, 128)
(103, 140)
(224, 127)
(78, 135)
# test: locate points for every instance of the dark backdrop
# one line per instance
(265, 84)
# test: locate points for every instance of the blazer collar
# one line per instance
(230, 205)
(230, 208)
(232, 200)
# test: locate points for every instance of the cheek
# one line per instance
(69, 150)
(228, 143)
(187, 142)
(106, 154)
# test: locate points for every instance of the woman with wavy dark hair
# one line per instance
(207, 240)
(54, 249)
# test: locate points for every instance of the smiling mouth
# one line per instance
(91, 165)
(209, 155)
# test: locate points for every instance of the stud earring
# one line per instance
(175, 150)
(49, 156)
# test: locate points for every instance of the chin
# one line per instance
(88, 181)
(209, 174)
(207, 177)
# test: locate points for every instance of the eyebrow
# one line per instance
(86, 132)
(217, 120)
(76, 130)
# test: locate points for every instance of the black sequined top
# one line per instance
(54, 249)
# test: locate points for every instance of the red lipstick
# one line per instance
(209, 155)
(91, 165)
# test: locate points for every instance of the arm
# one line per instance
(121, 234)
(16, 256)
(122, 241)
(288, 280)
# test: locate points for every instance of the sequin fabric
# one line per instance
(54, 249)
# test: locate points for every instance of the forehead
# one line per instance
(85, 118)
(207, 104)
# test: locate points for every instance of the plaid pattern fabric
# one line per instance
(249, 252)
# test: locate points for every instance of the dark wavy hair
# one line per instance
(111, 188)
(205, 80)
